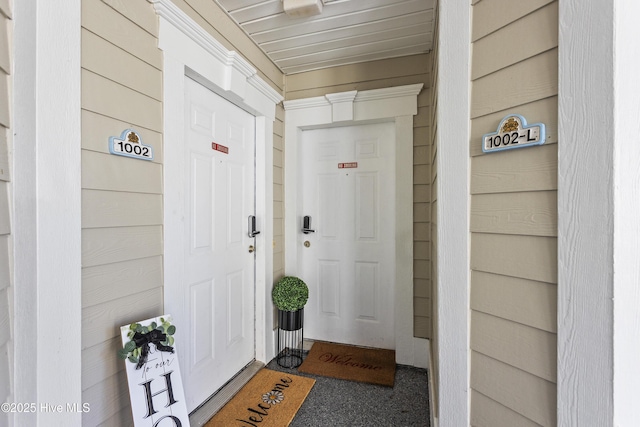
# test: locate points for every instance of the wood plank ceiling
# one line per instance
(346, 32)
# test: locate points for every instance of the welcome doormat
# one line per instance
(368, 365)
(269, 399)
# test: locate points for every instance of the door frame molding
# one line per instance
(191, 51)
(395, 104)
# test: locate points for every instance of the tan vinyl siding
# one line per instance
(380, 74)
(488, 412)
(363, 76)
(515, 389)
(422, 206)
(6, 242)
(433, 199)
(5, 69)
(278, 193)
(122, 198)
(515, 299)
(513, 217)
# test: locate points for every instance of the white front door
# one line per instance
(347, 189)
(218, 296)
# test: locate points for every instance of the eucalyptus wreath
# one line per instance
(161, 335)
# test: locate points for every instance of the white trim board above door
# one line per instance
(188, 50)
(395, 104)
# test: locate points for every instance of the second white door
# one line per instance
(347, 189)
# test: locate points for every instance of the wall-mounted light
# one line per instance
(302, 8)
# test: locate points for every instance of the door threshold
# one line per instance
(207, 410)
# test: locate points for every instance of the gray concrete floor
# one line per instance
(341, 403)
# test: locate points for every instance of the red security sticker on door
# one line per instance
(220, 148)
(347, 165)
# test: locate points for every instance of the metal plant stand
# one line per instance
(290, 338)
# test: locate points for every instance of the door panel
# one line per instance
(329, 293)
(201, 298)
(219, 276)
(202, 210)
(347, 187)
(366, 206)
(366, 288)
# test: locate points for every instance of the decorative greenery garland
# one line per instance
(132, 352)
(290, 293)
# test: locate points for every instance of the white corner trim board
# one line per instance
(190, 51)
(453, 275)
(397, 104)
(598, 232)
(47, 211)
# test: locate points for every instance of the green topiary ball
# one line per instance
(290, 293)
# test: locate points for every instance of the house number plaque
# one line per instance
(513, 132)
(130, 145)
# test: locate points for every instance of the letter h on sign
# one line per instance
(149, 396)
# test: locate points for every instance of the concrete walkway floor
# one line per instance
(340, 403)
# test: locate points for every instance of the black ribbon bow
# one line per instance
(143, 340)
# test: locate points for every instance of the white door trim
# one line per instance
(397, 104)
(190, 50)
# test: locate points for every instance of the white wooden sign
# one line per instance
(513, 132)
(153, 372)
(130, 145)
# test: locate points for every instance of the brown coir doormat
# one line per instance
(269, 399)
(347, 362)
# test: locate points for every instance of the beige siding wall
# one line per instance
(122, 210)
(121, 197)
(6, 244)
(278, 194)
(513, 217)
(380, 74)
(434, 220)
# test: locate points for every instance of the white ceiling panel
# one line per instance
(347, 31)
(342, 34)
(396, 35)
(330, 11)
(355, 51)
(258, 11)
(283, 25)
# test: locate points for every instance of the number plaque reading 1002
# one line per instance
(130, 145)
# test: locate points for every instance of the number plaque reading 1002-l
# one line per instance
(513, 132)
(130, 145)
